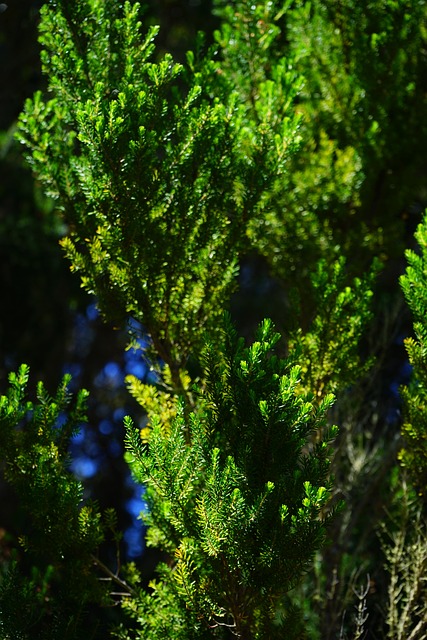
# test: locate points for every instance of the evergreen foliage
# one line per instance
(364, 73)
(329, 351)
(301, 144)
(237, 493)
(54, 576)
(156, 166)
(414, 429)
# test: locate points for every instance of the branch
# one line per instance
(128, 589)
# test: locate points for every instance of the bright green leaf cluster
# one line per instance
(238, 493)
(361, 104)
(329, 351)
(414, 429)
(156, 166)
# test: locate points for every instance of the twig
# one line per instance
(114, 577)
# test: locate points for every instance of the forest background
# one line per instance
(356, 190)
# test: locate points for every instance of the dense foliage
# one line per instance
(268, 142)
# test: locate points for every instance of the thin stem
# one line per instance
(113, 576)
